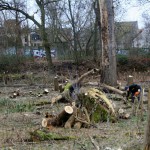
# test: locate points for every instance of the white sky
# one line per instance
(133, 11)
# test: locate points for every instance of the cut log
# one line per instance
(63, 116)
(56, 99)
(64, 95)
(48, 123)
(44, 135)
(59, 120)
(113, 89)
(71, 120)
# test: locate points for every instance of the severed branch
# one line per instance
(94, 143)
(113, 89)
(65, 93)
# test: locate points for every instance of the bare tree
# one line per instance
(79, 17)
(41, 6)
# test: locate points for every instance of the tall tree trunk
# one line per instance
(46, 43)
(97, 24)
(112, 43)
(74, 34)
(95, 41)
(104, 42)
(147, 132)
(108, 56)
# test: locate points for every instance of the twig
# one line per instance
(80, 120)
(87, 115)
(94, 143)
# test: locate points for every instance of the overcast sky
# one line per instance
(132, 11)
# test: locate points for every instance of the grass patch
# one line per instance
(10, 106)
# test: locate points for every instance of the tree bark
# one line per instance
(147, 133)
(44, 35)
(114, 89)
(111, 44)
(108, 52)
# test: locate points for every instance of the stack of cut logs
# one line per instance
(91, 106)
(70, 117)
(94, 107)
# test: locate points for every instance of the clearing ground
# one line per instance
(19, 116)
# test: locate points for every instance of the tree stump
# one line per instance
(129, 80)
(56, 85)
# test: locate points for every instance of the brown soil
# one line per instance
(17, 119)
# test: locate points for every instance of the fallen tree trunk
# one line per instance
(98, 106)
(66, 93)
(71, 120)
(114, 89)
(42, 135)
(59, 120)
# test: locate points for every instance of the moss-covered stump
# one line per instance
(44, 135)
(99, 108)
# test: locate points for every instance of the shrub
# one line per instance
(129, 63)
(122, 59)
(12, 63)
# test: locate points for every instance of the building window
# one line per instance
(25, 39)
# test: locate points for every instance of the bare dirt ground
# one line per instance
(18, 117)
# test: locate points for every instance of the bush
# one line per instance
(122, 59)
(12, 63)
(130, 63)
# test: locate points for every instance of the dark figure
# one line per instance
(133, 91)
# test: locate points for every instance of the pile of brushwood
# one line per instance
(85, 108)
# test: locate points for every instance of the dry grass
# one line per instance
(15, 125)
